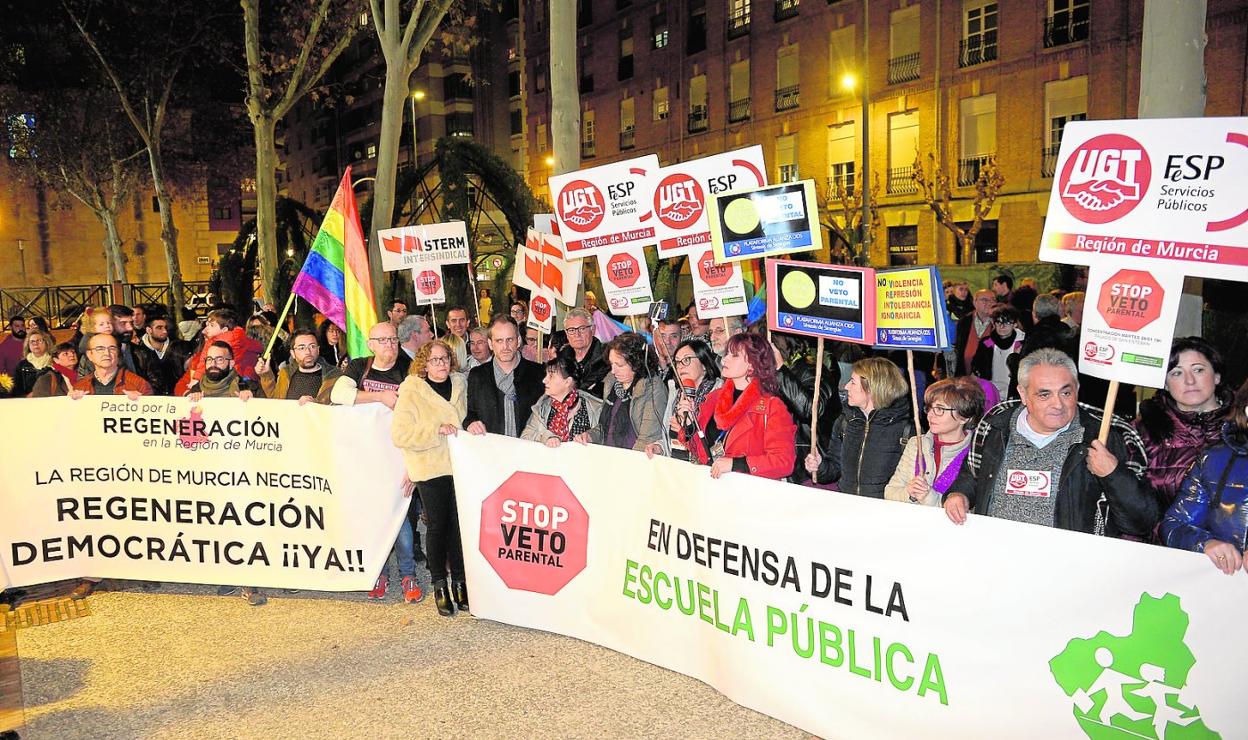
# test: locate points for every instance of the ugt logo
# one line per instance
(678, 200)
(1134, 686)
(1105, 178)
(581, 206)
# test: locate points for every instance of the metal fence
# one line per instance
(61, 305)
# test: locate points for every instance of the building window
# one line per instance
(786, 158)
(841, 146)
(588, 137)
(903, 148)
(903, 245)
(542, 141)
(222, 214)
(370, 151)
(587, 77)
(979, 34)
(539, 75)
(787, 88)
(739, 91)
(738, 18)
(628, 124)
(1067, 22)
(985, 241)
(661, 104)
(658, 31)
(1064, 101)
(584, 13)
(842, 59)
(516, 122)
(695, 36)
(698, 113)
(903, 45)
(978, 126)
(625, 70)
(460, 124)
(513, 84)
(785, 9)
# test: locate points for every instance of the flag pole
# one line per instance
(290, 300)
(814, 406)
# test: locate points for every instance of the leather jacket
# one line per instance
(1175, 439)
(863, 451)
(796, 389)
(1213, 500)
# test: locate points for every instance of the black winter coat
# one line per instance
(594, 369)
(862, 453)
(485, 400)
(796, 389)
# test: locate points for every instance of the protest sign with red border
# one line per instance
(606, 207)
(682, 190)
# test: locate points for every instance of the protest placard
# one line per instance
(541, 313)
(818, 300)
(606, 207)
(681, 192)
(910, 309)
(625, 281)
(423, 245)
(542, 266)
(428, 284)
(1128, 324)
(718, 287)
(768, 221)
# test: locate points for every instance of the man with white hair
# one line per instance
(414, 332)
(1038, 460)
(591, 354)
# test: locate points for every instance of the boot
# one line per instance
(442, 599)
(461, 595)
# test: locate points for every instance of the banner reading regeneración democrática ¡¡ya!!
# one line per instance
(256, 493)
(851, 617)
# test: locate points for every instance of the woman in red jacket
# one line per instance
(747, 426)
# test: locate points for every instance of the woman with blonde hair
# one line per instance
(36, 359)
(868, 438)
(953, 409)
(431, 406)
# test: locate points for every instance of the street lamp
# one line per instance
(416, 95)
(550, 160)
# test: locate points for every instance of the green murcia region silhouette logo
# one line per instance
(1132, 686)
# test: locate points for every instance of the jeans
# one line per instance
(442, 534)
(403, 549)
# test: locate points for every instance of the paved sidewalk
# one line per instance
(184, 663)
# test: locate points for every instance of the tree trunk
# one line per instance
(112, 244)
(266, 205)
(966, 248)
(393, 100)
(565, 105)
(168, 232)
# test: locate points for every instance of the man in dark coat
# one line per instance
(501, 392)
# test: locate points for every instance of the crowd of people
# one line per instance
(1001, 425)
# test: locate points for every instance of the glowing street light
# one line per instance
(848, 82)
(550, 160)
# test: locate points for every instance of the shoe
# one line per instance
(83, 589)
(10, 597)
(380, 588)
(442, 599)
(411, 590)
(228, 590)
(255, 597)
(460, 590)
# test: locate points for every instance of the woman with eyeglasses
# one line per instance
(36, 359)
(633, 415)
(564, 412)
(333, 342)
(953, 409)
(431, 406)
(697, 374)
(992, 359)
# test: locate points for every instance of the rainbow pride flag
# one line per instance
(335, 277)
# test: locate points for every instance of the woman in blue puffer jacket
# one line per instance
(1211, 513)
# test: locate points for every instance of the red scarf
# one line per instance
(728, 413)
(68, 372)
(561, 416)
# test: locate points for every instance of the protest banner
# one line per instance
(681, 190)
(818, 300)
(263, 493)
(1128, 324)
(541, 313)
(1132, 190)
(542, 266)
(606, 207)
(427, 282)
(424, 245)
(718, 287)
(910, 309)
(782, 598)
(763, 222)
(625, 281)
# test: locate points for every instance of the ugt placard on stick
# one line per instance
(681, 192)
(606, 207)
(818, 300)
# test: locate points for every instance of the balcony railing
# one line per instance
(1048, 160)
(698, 120)
(786, 9)
(787, 98)
(738, 25)
(588, 149)
(739, 110)
(901, 181)
(969, 168)
(977, 50)
(903, 68)
(836, 182)
(628, 138)
(1065, 29)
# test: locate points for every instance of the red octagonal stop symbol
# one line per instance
(428, 282)
(712, 274)
(623, 270)
(534, 533)
(1130, 300)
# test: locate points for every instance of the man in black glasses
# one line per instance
(591, 357)
(305, 377)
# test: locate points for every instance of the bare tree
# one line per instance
(936, 192)
(304, 39)
(844, 217)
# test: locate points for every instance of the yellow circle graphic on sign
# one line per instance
(741, 217)
(798, 289)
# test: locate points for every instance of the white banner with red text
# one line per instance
(851, 617)
(257, 493)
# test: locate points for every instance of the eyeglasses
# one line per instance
(304, 347)
(439, 360)
(103, 350)
(936, 410)
(384, 341)
(578, 329)
(218, 361)
(684, 361)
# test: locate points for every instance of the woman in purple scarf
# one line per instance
(953, 409)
